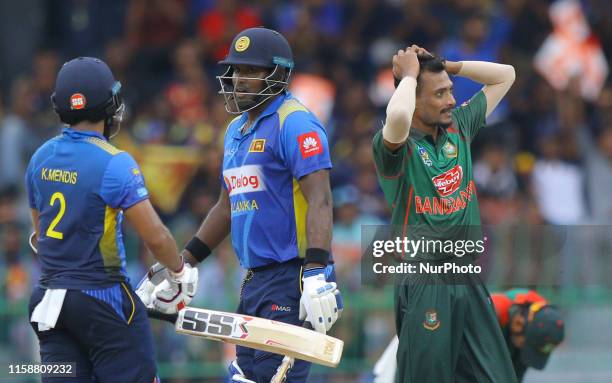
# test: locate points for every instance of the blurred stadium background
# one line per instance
(545, 159)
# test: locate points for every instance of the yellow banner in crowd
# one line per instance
(167, 170)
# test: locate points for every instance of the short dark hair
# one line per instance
(432, 64)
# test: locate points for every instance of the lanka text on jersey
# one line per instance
(261, 169)
(80, 184)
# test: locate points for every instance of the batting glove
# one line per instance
(318, 302)
(177, 290)
(330, 274)
(156, 275)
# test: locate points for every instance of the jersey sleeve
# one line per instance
(123, 184)
(389, 164)
(304, 146)
(29, 178)
(470, 116)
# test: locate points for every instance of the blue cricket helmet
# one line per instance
(86, 90)
(260, 47)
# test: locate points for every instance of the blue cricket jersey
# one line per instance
(261, 169)
(79, 183)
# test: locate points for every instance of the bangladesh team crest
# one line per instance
(431, 320)
(450, 150)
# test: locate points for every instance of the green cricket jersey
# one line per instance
(429, 186)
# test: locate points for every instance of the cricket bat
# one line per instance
(258, 333)
(287, 364)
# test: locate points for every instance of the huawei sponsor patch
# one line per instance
(310, 144)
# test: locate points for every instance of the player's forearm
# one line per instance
(214, 229)
(483, 72)
(319, 223)
(497, 78)
(164, 249)
(154, 234)
(399, 111)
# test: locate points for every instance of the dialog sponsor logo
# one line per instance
(244, 179)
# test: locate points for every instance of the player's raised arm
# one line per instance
(497, 78)
(401, 105)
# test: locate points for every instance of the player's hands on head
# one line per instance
(406, 63)
(422, 53)
(318, 303)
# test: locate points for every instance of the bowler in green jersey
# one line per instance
(447, 330)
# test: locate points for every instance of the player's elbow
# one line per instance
(509, 74)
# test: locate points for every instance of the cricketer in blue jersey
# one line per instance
(275, 200)
(79, 187)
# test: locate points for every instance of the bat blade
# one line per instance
(262, 334)
(287, 364)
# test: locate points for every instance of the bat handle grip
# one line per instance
(308, 325)
(154, 314)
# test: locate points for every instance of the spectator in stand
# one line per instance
(218, 26)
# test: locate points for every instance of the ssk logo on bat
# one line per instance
(448, 182)
(215, 324)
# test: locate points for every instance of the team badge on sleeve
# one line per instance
(310, 144)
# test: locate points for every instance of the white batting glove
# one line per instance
(156, 274)
(177, 290)
(236, 374)
(318, 302)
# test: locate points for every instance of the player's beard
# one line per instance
(445, 123)
(239, 104)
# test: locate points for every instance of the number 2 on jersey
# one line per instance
(62, 209)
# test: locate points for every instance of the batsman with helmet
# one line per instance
(275, 200)
(80, 187)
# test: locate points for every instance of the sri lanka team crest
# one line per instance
(431, 321)
(448, 182)
(424, 156)
(257, 146)
(242, 44)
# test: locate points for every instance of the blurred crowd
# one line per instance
(545, 157)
